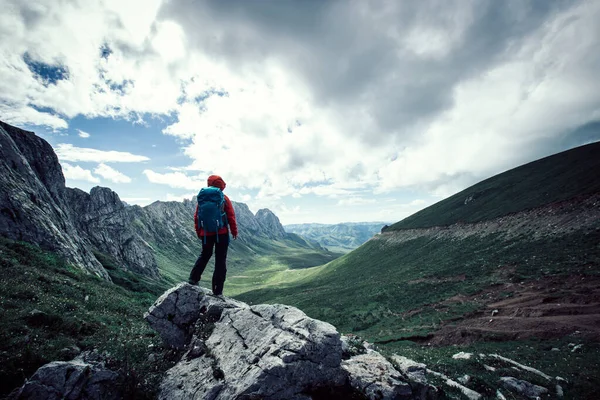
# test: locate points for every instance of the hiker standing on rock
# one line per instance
(214, 213)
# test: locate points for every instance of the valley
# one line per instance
(510, 265)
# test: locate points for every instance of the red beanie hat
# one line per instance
(216, 181)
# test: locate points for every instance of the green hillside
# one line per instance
(405, 287)
(551, 179)
(47, 306)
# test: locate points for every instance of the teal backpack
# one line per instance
(211, 210)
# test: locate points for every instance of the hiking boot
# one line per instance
(193, 282)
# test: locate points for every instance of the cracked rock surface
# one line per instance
(233, 350)
(375, 376)
(76, 379)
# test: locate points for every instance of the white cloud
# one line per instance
(83, 134)
(177, 180)
(111, 174)
(356, 201)
(68, 152)
(291, 105)
(76, 173)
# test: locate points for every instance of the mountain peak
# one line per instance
(270, 223)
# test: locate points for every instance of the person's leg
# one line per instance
(207, 251)
(218, 280)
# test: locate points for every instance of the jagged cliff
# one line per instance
(37, 207)
(33, 207)
(104, 220)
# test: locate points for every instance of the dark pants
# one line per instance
(218, 279)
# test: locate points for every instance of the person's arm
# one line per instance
(196, 222)
(230, 212)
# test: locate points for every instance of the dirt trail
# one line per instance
(548, 308)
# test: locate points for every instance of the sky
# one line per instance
(322, 111)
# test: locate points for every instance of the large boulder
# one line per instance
(375, 376)
(80, 378)
(233, 350)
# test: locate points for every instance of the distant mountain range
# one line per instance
(342, 237)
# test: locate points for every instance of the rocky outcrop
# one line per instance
(524, 388)
(32, 203)
(36, 207)
(106, 222)
(270, 224)
(233, 350)
(82, 378)
(246, 220)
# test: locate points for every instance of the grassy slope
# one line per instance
(110, 320)
(249, 265)
(371, 291)
(379, 275)
(79, 310)
(555, 178)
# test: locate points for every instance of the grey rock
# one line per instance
(414, 370)
(265, 351)
(32, 203)
(71, 380)
(523, 387)
(175, 312)
(69, 353)
(232, 350)
(104, 220)
(376, 377)
(270, 224)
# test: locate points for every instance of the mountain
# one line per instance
(33, 199)
(342, 237)
(97, 231)
(553, 179)
(168, 228)
(514, 259)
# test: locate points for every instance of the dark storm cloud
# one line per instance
(352, 55)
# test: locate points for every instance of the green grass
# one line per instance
(388, 295)
(556, 178)
(77, 309)
(261, 263)
(370, 290)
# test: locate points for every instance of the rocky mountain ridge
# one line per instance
(33, 204)
(37, 207)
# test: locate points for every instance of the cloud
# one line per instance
(177, 180)
(356, 201)
(68, 152)
(327, 98)
(76, 173)
(426, 99)
(111, 174)
(83, 134)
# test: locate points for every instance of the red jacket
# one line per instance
(217, 181)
